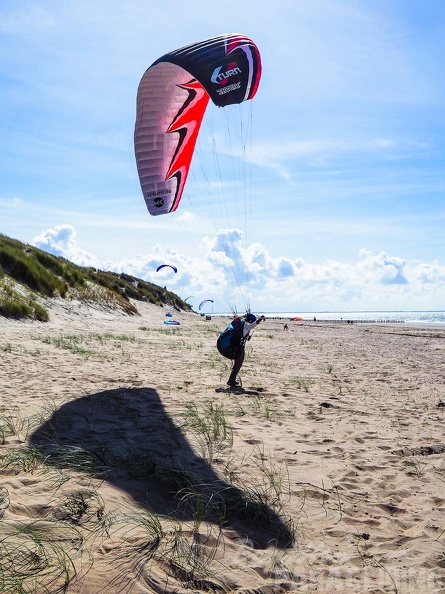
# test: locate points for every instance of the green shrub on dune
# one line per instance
(27, 273)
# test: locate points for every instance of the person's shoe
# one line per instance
(235, 384)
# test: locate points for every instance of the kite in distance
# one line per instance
(171, 101)
(168, 265)
(205, 301)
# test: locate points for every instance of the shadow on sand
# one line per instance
(127, 437)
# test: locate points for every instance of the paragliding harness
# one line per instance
(231, 340)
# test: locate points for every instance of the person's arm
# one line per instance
(247, 328)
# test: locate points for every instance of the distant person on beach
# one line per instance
(231, 343)
(285, 327)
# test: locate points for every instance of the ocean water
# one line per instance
(411, 317)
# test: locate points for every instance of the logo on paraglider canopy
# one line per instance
(158, 201)
(222, 74)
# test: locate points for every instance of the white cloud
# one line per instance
(61, 241)
(385, 269)
(14, 203)
(432, 273)
(228, 272)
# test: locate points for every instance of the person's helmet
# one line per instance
(250, 318)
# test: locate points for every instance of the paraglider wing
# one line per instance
(296, 319)
(190, 297)
(205, 301)
(168, 265)
(171, 101)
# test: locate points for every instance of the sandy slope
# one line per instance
(338, 434)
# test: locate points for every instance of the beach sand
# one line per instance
(127, 466)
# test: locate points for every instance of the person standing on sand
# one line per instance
(231, 343)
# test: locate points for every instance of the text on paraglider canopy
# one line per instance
(158, 193)
(233, 87)
(221, 77)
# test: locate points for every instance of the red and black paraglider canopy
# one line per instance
(172, 98)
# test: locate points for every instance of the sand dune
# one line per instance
(127, 466)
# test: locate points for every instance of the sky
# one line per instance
(336, 205)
